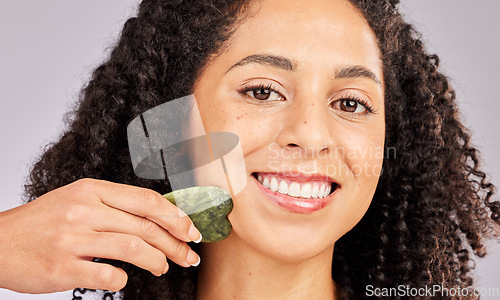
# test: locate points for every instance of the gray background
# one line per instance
(48, 49)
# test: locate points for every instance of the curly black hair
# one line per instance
(432, 208)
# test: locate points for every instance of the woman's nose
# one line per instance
(307, 127)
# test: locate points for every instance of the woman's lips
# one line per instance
(307, 202)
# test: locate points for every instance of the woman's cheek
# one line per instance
(255, 134)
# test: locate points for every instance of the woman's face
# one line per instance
(300, 83)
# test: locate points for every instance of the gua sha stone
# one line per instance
(207, 207)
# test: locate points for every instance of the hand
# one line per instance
(48, 245)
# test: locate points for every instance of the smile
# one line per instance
(296, 192)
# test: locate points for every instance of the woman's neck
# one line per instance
(232, 270)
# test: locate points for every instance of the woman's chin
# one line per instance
(288, 243)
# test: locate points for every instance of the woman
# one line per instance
(307, 86)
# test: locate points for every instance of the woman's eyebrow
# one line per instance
(266, 59)
(356, 72)
(351, 71)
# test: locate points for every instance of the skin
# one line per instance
(303, 127)
(50, 242)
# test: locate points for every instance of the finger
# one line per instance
(124, 247)
(113, 220)
(99, 276)
(148, 204)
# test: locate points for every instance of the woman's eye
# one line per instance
(261, 93)
(350, 106)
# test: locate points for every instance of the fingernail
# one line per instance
(192, 258)
(194, 234)
(165, 270)
(197, 263)
(199, 240)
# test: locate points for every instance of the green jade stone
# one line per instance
(207, 207)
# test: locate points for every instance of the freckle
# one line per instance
(305, 122)
(249, 273)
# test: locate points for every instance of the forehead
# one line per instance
(307, 32)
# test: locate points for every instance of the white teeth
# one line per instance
(266, 182)
(321, 192)
(315, 191)
(305, 191)
(327, 190)
(283, 187)
(294, 189)
(274, 184)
